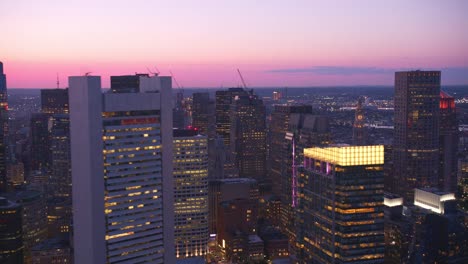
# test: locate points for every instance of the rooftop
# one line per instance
(348, 155)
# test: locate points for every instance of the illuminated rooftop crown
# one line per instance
(348, 155)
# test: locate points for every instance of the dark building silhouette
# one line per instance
(203, 112)
(448, 134)
(279, 154)
(40, 142)
(431, 231)
(416, 135)
(54, 101)
(3, 129)
(222, 190)
(11, 232)
(237, 224)
(248, 135)
(359, 129)
(126, 83)
(34, 218)
(179, 112)
(223, 103)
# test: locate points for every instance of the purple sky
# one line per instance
(273, 43)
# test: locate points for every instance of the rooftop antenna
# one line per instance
(58, 81)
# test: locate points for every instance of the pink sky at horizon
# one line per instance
(203, 43)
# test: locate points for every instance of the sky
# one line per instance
(203, 43)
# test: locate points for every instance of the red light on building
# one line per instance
(139, 121)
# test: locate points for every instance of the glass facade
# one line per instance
(340, 210)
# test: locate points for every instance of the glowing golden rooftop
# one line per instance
(348, 155)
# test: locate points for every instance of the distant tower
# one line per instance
(190, 193)
(202, 110)
(448, 135)
(359, 129)
(416, 134)
(248, 135)
(3, 129)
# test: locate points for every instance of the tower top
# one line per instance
(1, 67)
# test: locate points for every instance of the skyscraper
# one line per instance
(121, 149)
(202, 112)
(34, 218)
(448, 133)
(416, 136)
(279, 154)
(305, 130)
(248, 135)
(54, 101)
(3, 129)
(224, 100)
(11, 232)
(340, 207)
(191, 193)
(359, 129)
(40, 142)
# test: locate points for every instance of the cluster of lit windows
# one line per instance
(348, 156)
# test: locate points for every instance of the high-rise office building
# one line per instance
(54, 101)
(248, 135)
(191, 193)
(3, 129)
(340, 207)
(59, 186)
(11, 232)
(202, 112)
(34, 218)
(279, 153)
(178, 113)
(305, 130)
(416, 135)
(448, 134)
(223, 103)
(123, 189)
(40, 142)
(359, 129)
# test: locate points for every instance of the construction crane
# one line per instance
(175, 80)
(242, 79)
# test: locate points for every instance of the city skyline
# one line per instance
(306, 44)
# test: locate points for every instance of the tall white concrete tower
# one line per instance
(121, 148)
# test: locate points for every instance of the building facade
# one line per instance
(54, 101)
(416, 134)
(121, 149)
(359, 128)
(190, 193)
(203, 112)
(448, 140)
(3, 129)
(11, 232)
(279, 153)
(340, 205)
(248, 136)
